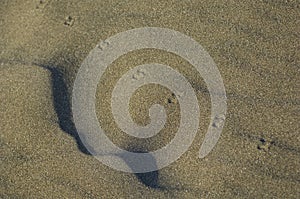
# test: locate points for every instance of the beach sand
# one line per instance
(255, 45)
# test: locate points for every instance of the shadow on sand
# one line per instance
(62, 105)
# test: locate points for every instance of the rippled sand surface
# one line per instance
(255, 45)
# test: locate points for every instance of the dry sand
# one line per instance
(255, 45)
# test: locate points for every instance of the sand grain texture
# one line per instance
(255, 45)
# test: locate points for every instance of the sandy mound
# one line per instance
(254, 44)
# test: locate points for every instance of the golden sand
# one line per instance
(255, 45)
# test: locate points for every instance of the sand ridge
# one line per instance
(254, 45)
